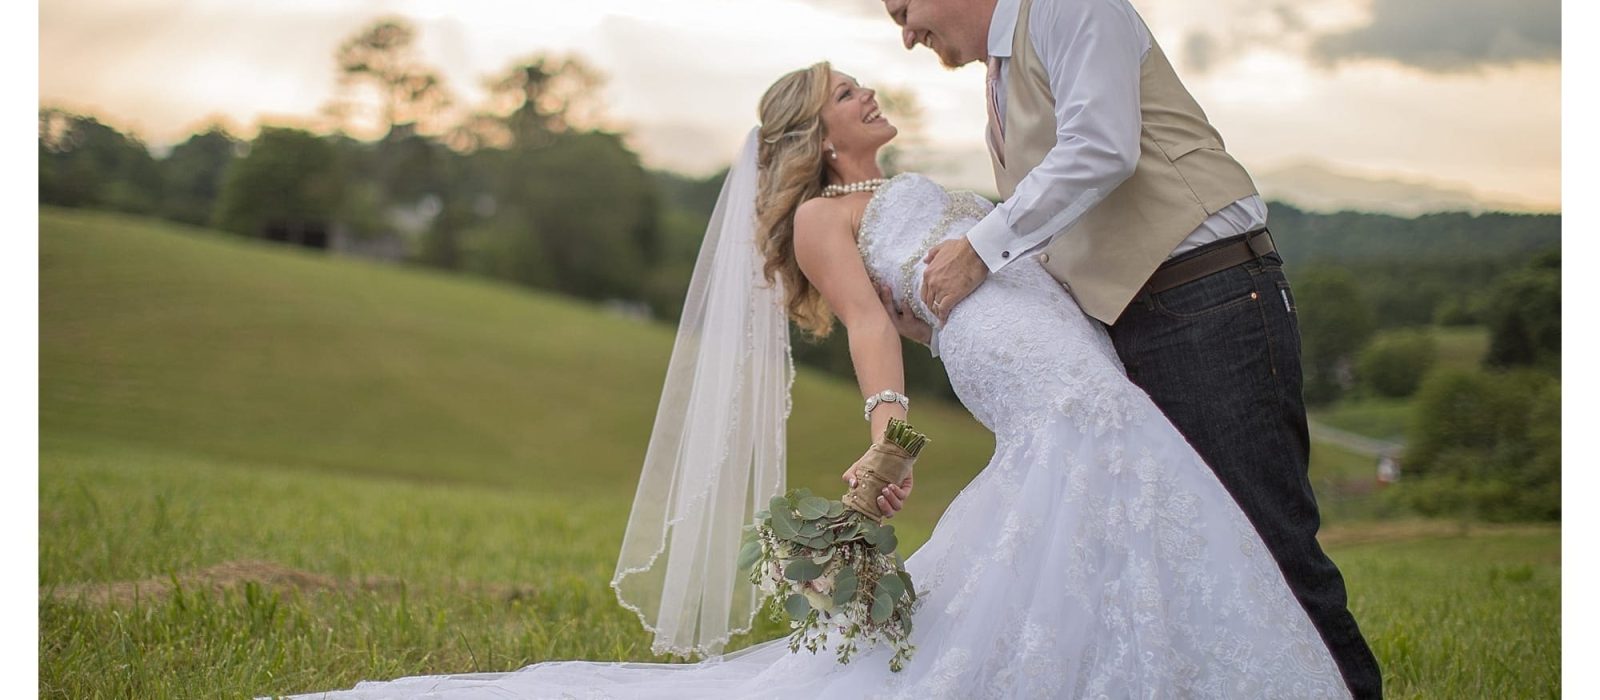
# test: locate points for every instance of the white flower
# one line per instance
(818, 600)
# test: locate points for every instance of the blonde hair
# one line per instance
(791, 171)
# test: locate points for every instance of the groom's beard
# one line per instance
(945, 59)
(950, 62)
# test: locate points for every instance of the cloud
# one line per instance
(872, 9)
(1200, 51)
(1207, 44)
(1450, 36)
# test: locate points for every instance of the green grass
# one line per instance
(1464, 616)
(1346, 486)
(1378, 418)
(157, 336)
(439, 470)
(1461, 347)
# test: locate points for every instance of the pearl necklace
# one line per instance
(863, 186)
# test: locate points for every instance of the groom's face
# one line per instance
(957, 31)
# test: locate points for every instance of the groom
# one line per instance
(1116, 181)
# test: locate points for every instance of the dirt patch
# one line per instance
(233, 575)
(1401, 530)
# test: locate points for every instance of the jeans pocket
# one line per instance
(1206, 296)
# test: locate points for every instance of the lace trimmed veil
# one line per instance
(716, 452)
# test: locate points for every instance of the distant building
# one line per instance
(386, 246)
(629, 308)
(1388, 468)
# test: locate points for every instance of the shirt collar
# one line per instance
(1002, 27)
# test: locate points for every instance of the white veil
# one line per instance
(716, 453)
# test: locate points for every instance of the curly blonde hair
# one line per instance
(792, 171)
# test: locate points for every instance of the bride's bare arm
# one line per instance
(825, 248)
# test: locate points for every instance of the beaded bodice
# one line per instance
(1019, 345)
(907, 216)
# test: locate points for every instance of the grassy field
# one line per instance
(264, 470)
(1462, 347)
(1387, 419)
(1378, 418)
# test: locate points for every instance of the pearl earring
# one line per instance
(832, 153)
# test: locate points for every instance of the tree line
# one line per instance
(1483, 443)
(527, 187)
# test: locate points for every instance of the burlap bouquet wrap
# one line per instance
(884, 463)
(830, 567)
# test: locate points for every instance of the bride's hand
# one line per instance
(905, 322)
(892, 498)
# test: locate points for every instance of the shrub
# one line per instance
(1486, 445)
(1394, 364)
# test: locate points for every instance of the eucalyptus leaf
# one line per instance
(835, 509)
(892, 584)
(801, 494)
(844, 586)
(809, 529)
(910, 587)
(748, 554)
(823, 558)
(783, 525)
(883, 539)
(874, 535)
(887, 543)
(801, 570)
(882, 607)
(812, 507)
(797, 606)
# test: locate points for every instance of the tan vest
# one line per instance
(1184, 175)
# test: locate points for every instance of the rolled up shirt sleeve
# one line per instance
(1092, 50)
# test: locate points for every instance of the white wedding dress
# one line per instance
(1095, 556)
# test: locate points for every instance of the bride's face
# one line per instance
(852, 118)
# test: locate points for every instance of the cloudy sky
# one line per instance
(1460, 95)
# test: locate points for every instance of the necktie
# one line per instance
(996, 129)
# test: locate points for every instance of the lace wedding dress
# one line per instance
(1095, 556)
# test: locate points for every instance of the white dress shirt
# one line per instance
(1091, 50)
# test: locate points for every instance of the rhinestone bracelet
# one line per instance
(882, 397)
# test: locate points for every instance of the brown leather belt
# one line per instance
(1252, 246)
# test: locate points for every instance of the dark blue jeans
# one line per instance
(1221, 357)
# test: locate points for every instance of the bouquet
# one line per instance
(831, 565)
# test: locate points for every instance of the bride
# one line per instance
(1095, 555)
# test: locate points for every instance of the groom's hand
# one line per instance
(954, 270)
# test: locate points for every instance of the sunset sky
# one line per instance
(1464, 94)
